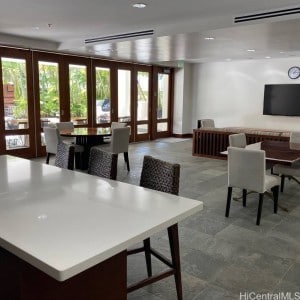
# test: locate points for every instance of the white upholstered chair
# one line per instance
(209, 123)
(113, 126)
(293, 171)
(66, 126)
(119, 143)
(237, 140)
(52, 139)
(247, 171)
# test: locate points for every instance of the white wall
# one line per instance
(183, 100)
(232, 93)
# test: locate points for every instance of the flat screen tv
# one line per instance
(282, 99)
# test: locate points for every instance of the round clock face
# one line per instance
(294, 72)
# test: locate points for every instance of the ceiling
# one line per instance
(180, 28)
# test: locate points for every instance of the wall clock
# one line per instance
(294, 72)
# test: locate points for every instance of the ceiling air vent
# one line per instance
(266, 15)
(119, 36)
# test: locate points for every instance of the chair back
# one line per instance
(237, 140)
(246, 169)
(208, 123)
(120, 140)
(65, 126)
(103, 164)
(65, 156)
(52, 139)
(160, 175)
(295, 137)
(117, 125)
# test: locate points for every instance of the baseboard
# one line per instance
(185, 135)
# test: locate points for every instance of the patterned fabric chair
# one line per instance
(65, 156)
(247, 171)
(164, 177)
(103, 164)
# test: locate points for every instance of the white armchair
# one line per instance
(293, 171)
(237, 140)
(52, 139)
(208, 123)
(247, 171)
(66, 126)
(119, 143)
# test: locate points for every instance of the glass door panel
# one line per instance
(142, 115)
(102, 95)
(124, 96)
(162, 110)
(49, 92)
(15, 102)
(78, 94)
(142, 96)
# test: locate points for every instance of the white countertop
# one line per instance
(64, 222)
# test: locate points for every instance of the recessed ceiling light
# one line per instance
(36, 28)
(228, 59)
(139, 5)
(268, 57)
(251, 50)
(209, 38)
(281, 52)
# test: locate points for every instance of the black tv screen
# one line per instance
(282, 99)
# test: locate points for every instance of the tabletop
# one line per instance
(64, 222)
(278, 151)
(83, 131)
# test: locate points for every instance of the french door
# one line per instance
(17, 111)
(39, 88)
(162, 102)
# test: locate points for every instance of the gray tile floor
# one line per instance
(220, 257)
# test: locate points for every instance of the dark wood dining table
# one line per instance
(282, 152)
(87, 137)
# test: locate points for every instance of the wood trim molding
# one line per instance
(184, 135)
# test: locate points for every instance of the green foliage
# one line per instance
(14, 72)
(49, 90)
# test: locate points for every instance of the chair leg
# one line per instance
(282, 183)
(229, 193)
(261, 198)
(244, 197)
(275, 191)
(148, 256)
(126, 158)
(48, 158)
(174, 247)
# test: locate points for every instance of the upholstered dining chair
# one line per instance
(247, 171)
(52, 139)
(293, 171)
(66, 126)
(103, 164)
(237, 140)
(65, 156)
(209, 123)
(114, 125)
(119, 143)
(164, 177)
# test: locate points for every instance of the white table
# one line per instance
(60, 228)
